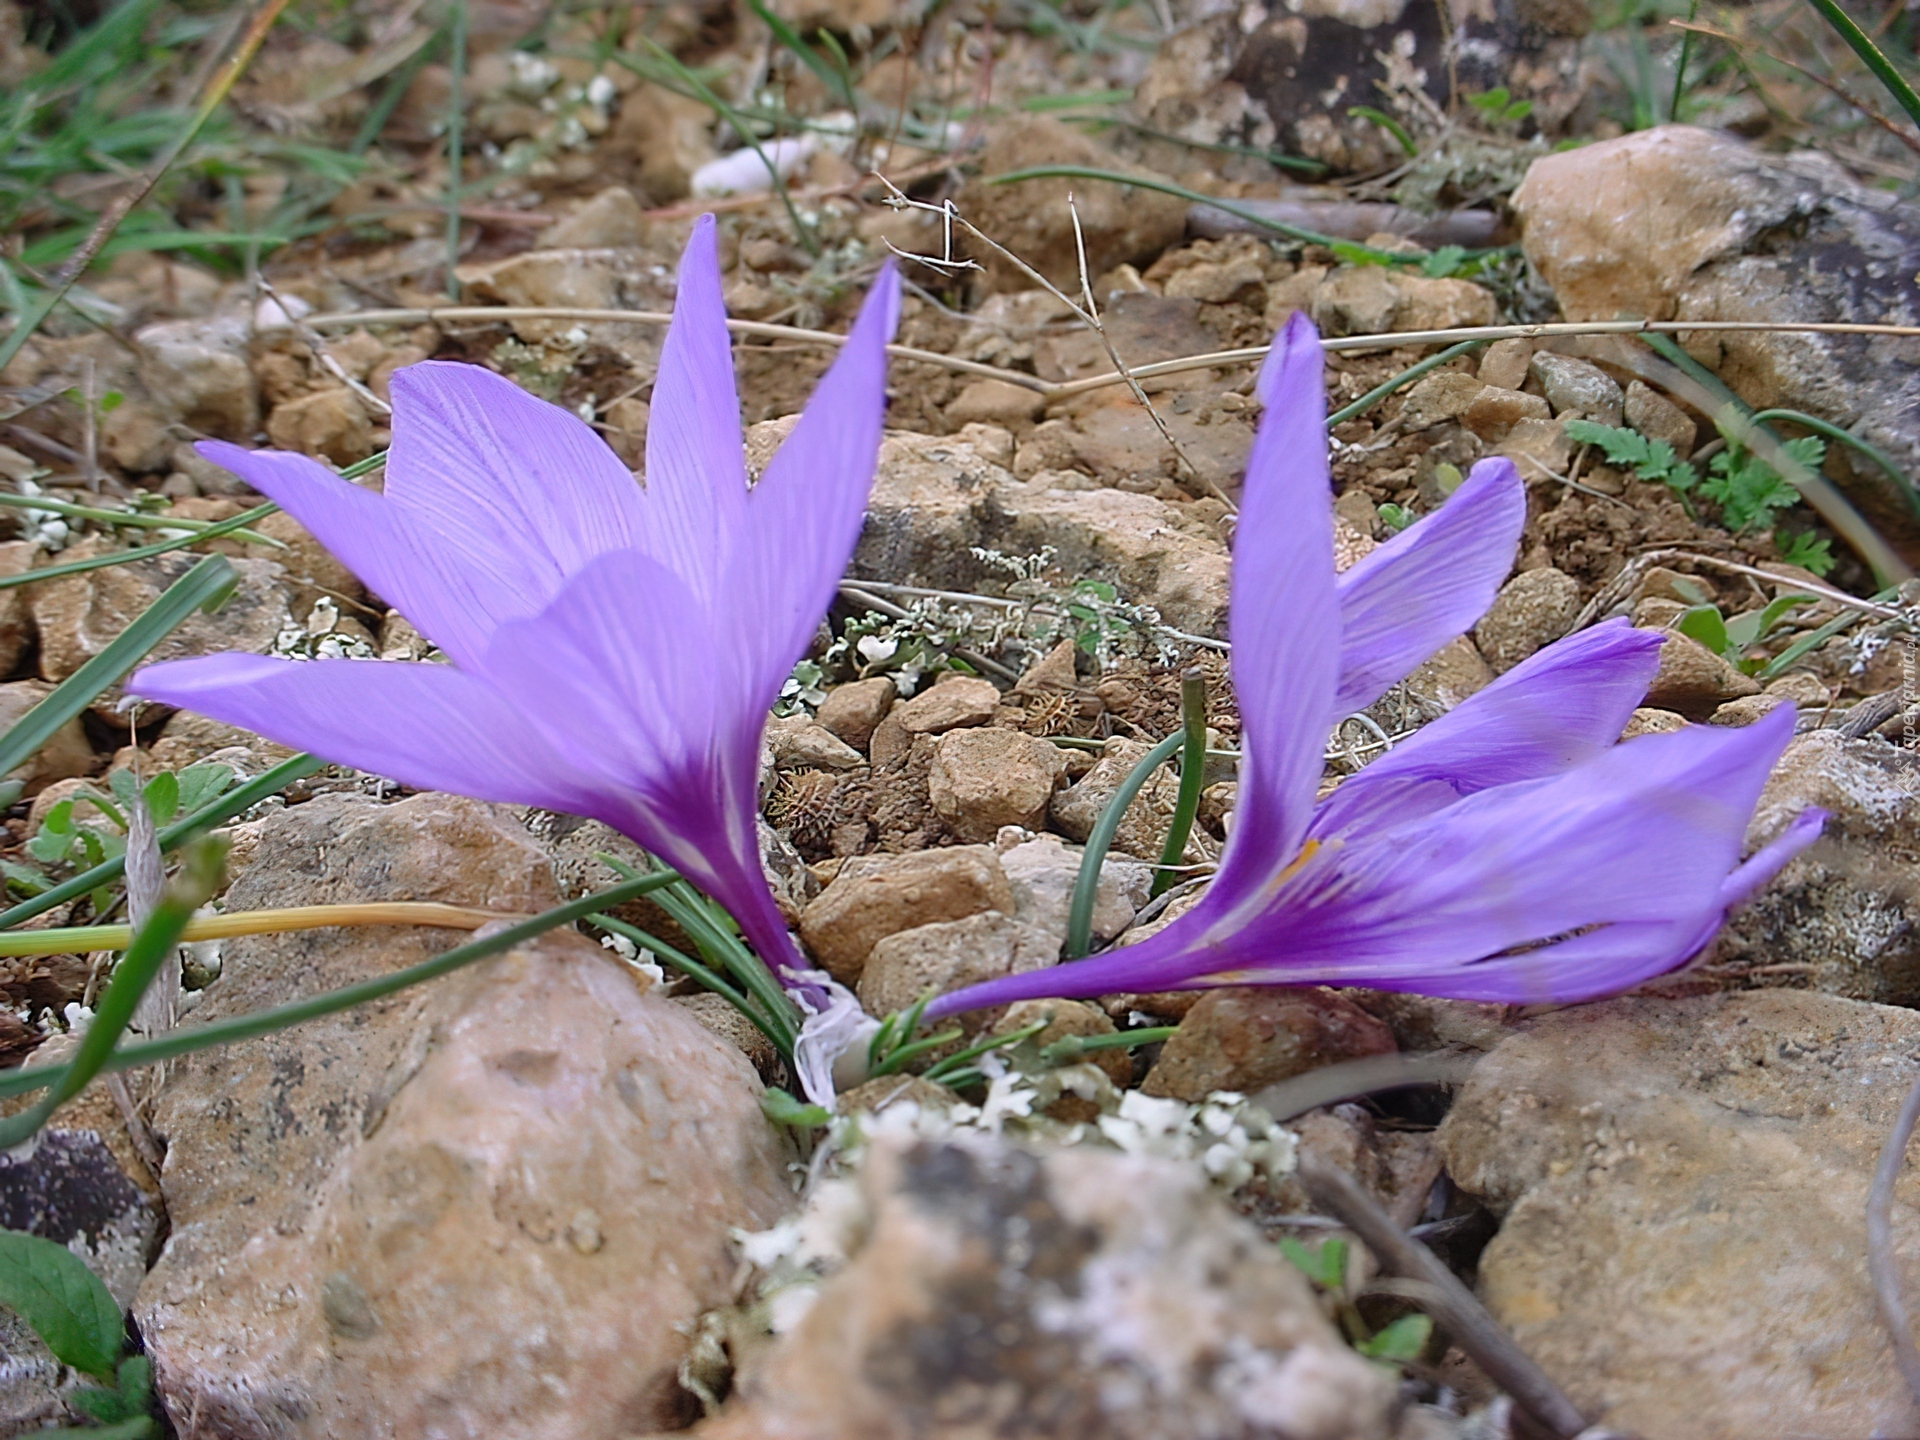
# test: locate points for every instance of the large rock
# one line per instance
(1843, 915)
(936, 499)
(66, 752)
(495, 1205)
(1684, 1185)
(984, 778)
(197, 372)
(1247, 1037)
(1687, 224)
(991, 1291)
(81, 615)
(875, 896)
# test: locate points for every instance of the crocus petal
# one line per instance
(696, 468)
(1646, 833)
(1282, 618)
(1771, 858)
(831, 1048)
(521, 491)
(804, 516)
(431, 586)
(1406, 599)
(427, 726)
(1558, 708)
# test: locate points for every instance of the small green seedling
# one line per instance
(1397, 1343)
(63, 839)
(1735, 637)
(1499, 106)
(1749, 491)
(1325, 1265)
(1396, 517)
(783, 1109)
(63, 1302)
(1652, 460)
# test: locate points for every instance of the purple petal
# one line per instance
(1647, 833)
(428, 584)
(1282, 619)
(804, 516)
(696, 468)
(428, 726)
(520, 490)
(1428, 584)
(1766, 862)
(1559, 708)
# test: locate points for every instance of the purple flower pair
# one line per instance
(616, 649)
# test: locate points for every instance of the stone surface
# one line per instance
(1576, 387)
(852, 711)
(197, 373)
(1505, 363)
(1658, 418)
(719, 1015)
(330, 423)
(935, 499)
(65, 755)
(1042, 873)
(948, 705)
(1693, 681)
(987, 777)
(1845, 908)
(495, 1205)
(1444, 395)
(991, 1291)
(1532, 610)
(1493, 413)
(1245, 1038)
(1690, 224)
(995, 402)
(795, 742)
(1684, 1185)
(947, 955)
(16, 612)
(1646, 720)
(874, 896)
(1143, 829)
(1120, 223)
(609, 219)
(312, 573)
(81, 615)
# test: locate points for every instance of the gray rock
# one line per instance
(1577, 387)
(1846, 908)
(197, 372)
(1658, 418)
(1532, 610)
(1042, 872)
(1054, 1296)
(947, 955)
(1683, 223)
(495, 1205)
(1684, 1187)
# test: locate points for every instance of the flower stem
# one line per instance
(1086, 885)
(83, 939)
(1193, 764)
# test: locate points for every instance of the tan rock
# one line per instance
(667, 137)
(955, 701)
(136, 438)
(1042, 873)
(982, 779)
(528, 1170)
(995, 402)
(723, 1018)
(1101, 1294)
(1069, 1019)
(1537, 447)
(1648, 721)
(852, 711)
(1356, 300)
(1245, 1038)
(330, 423)
(1658, 418)
(197, 373)
(1654, 1151)
(874, 896)
(1746, 710)
(16, 613)
(1494, 412)
(1435, 303)
(312, 572)
(81, 615)
(947, 955)
(1448, 676)
(65, 755)
(1532, 610)
(1445, 395)
(1032, 220)
(608, 220)
(1143, 828)
(799, 742)
(1693, 680)
(1504, 363)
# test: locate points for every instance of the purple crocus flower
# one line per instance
(1509, 851)
(615, 649)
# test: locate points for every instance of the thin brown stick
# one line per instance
(1882, 1263)
(1617, 589)
(1454, 1306)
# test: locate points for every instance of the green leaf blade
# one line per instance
(63, 1302)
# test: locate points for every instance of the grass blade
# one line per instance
(206, 583)
(1086, 885)
(1871, 55)
(140, 552)
(1193, 764)
(234, 802)
(280, 1017)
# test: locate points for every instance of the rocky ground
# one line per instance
(541, 1197)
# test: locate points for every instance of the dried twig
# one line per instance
(855, 595)
(1617, 589)
(1882, 1264)
(318, 348)
(1454, 1306)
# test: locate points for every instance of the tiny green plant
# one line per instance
(63, 1302)
(1396, 517)
(1500, 107)
(1751, 492)
(1652, 460)
(1736, 637)
(1397, 1343)
(63, 838)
